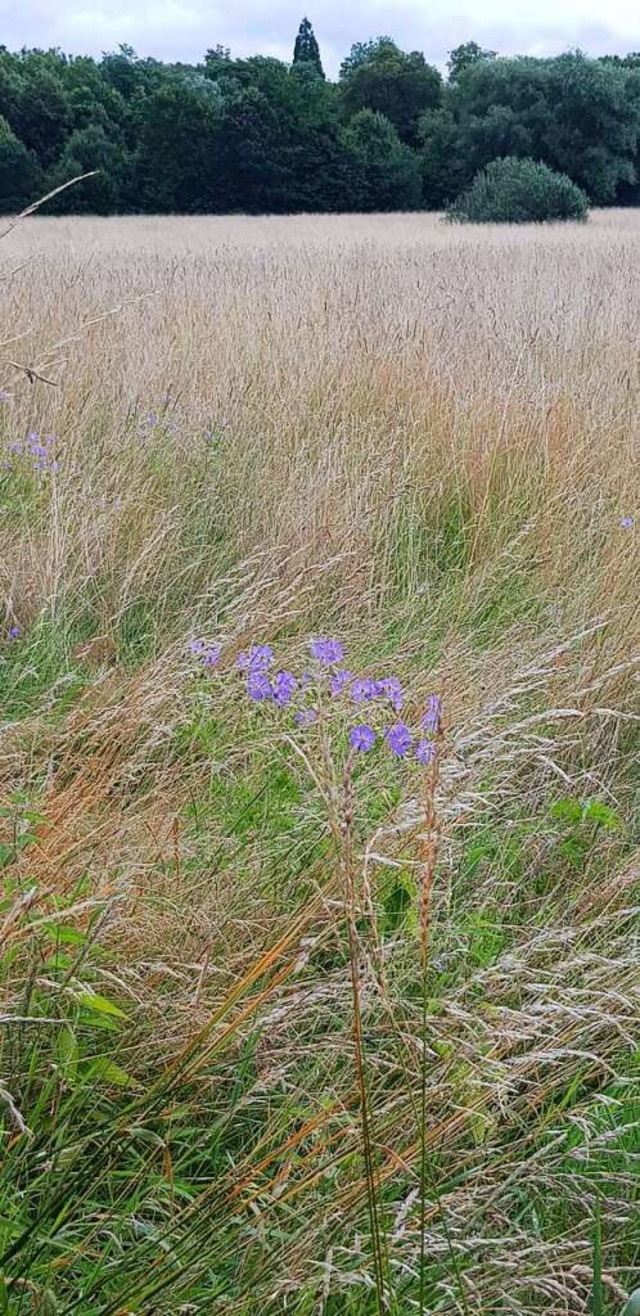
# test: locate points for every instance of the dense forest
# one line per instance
(259, 135)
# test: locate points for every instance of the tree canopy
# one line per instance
(306, 49)
(257, 134)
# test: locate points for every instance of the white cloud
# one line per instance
(184, 29)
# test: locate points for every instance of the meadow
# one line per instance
(289, 1024)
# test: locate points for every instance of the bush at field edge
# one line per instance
(514, 191)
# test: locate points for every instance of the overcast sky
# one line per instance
(183, 29)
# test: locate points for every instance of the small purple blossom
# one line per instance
(339, 681)
(211, 655)
(431, 716)
(152, 419)
(398, 739)
(627, 522)
(14, 632)
(362, 738)
(426, 751)
(327, 651)
(16, 447)
(4, 396)
(259, 657)
(306, 716)
(284, 688)
(363, 689)
(259, 686)
(391, 687)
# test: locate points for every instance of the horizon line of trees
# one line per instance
(258, 135)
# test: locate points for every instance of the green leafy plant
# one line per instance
(514, 191)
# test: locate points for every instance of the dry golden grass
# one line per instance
(422, 438)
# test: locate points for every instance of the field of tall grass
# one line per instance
(289, 1024)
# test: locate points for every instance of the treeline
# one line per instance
(258, 135)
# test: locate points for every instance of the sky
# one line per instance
(184, 29)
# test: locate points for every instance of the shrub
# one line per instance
(514, 191)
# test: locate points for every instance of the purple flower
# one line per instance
(392, 688)
(327, 651)
(259, 686)
(4, 396)
(431, 717)
(14, 632)
(398, 739)
(256, 660)
(339, 680)
(364, 689)
(152, 420)
(211, 655)
(260, 656)
(196, 647)
(284, 688)
(16, 447)
(627, 522)
(426, 751)
(362, 738)
(306, 715)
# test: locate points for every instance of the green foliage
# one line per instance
(577, 115)
(390, 170)
(513, 191)
(20, 176)
(306, 49)
(87, 150)
(379, 76)
(258, 135)
(462, 57)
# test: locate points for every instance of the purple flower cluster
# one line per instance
(327, 652)
(208, 654)
(339, 681)
(399, 741)
(14, 632)
(306, 716)
(40, 453)
(627, 522)
(283, 688)
(258, 658)
(431, 718)
(261, 685)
